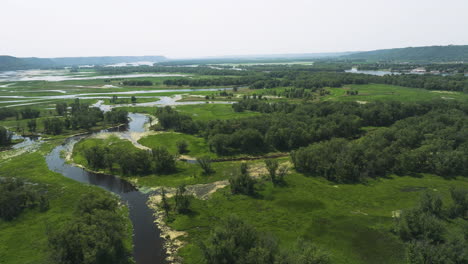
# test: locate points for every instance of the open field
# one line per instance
(213, 111)
(197, 146)
(373, 92)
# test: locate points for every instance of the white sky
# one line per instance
(196, 28)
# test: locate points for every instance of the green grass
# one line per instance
(24, 240)
(213, 111)
(373, 92)
(352, 222)
(197, 146)
(187, 174)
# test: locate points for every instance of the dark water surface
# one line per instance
(148, 245)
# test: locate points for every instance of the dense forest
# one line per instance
(427, 137)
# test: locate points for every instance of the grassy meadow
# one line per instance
(352, 222)
(382, 92)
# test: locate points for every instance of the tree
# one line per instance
(241, 182)
(182, 200)
(53, 126)
(182, 146)
(272, 166)
(205, 163)
(16, 196)
(61, 108)
(164, 203)
(95, 157)
(234, 242)
(163, 161)
(5, 136)
(32, 125)
(133, 99)
(28, 113)
(460, 202)
(282, 172)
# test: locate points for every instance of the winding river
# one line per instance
(148, 245)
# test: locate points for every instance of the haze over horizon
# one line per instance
(182, 28)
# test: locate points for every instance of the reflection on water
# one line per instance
(378, 73)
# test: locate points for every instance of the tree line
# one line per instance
(137, 83)
(24, 113)
(116, 158)
(80, 116)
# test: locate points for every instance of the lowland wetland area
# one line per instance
(285, 162)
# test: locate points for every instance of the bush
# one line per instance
(236, 241)
(205, 163)
(16, 196)
(182, 146)
(241, 182)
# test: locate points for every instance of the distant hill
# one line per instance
(12, 63)
(450, 53)
(9, 63)
(69, 61)
(260, 58)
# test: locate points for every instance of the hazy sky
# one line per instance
(196, 28)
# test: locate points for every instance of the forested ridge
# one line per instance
(427, 54)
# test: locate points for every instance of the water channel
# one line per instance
(148, 245)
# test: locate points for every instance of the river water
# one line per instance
(148, 245)
(65, 75)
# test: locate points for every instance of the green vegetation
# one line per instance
(384, 92)
(212, 111)
(336, 127)
(239, 242)
(16, 196)
(352, 222)
(24, 239)
(430, 235)
(197, 146)
(114, 155)
(5, 137)
(95, 235)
